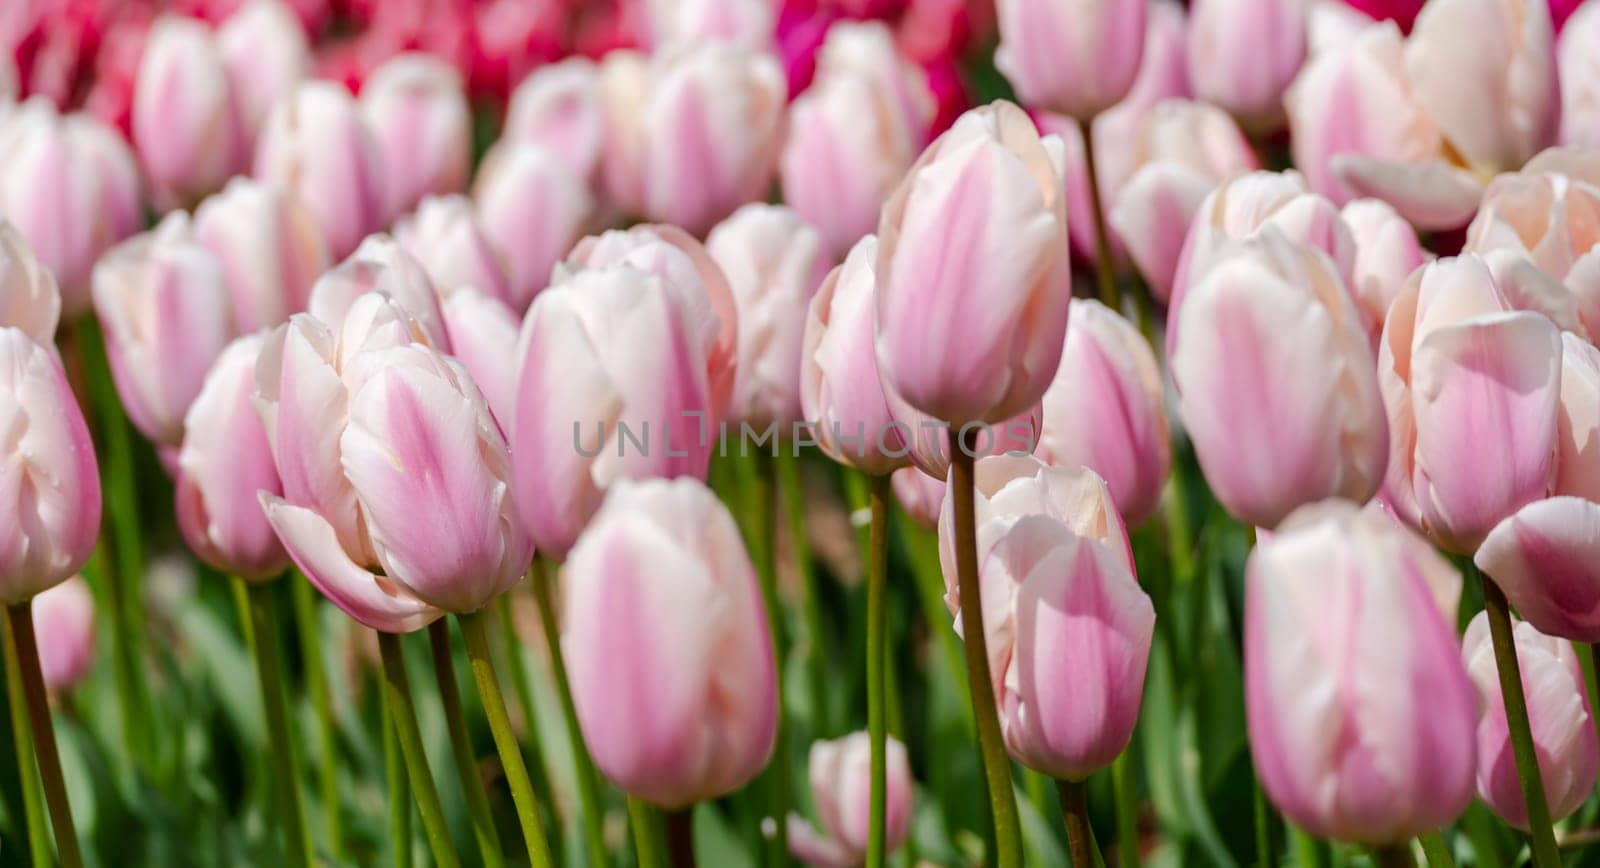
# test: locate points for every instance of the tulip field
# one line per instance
(737, 433)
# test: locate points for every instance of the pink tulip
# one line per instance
(224, 462)
(774, 262)
(561, 107)
(49, 484)
(1105, 410)
(625, 87)
(1579, 68)
(1471, 384)
(417, 110)
(1276, 382)
(749, 23)
(840, 778)
(532, 210)
(919, 494)
(264, 48)
(1387, 251)
(1001, 294)
(186, 126)
(29, 298)
(1551, 221)
(1074, 58)
(162, 300)
(317, 146)
(605, 355)
(444, 234)
(933, 442)
(270, 249)
(70, 186)
(1333, 24)
(1341, 629)
(483, 332)
(381, 265)
(63, 624)
(1558, 711)
(1244, 53)
(667, 644)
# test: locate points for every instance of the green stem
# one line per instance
(1543, 838)
(646, 843)
(1104, 268)
(1306, 852)
(394, 778)
(522, 690)
(26, 646)
(1263, 825)
(27, 771)
(263, 640)
(680, 837)
(583, 765)
(1125, 790)
(403, 713)
(794, 507)
(305, 615)
(980, 685)
(505, 741)
(1434, 848)
(444, 672)
(1075, 811)
(779, 773)
(1393, 856)
(877, 651)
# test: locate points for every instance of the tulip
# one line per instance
(445, 236)
(1471, 384)
(162, 300)
(270, 249)
(1276, 382)
(1105, 410)
(532, 210)
(224, 462)
(1551, 221)
(1244, 53)
(749, 23)
(1333, 24)
(63, 622)
(380, 265)
(317, 146)
(1558, 712)
(625, 87)
(1075, 58)
(186, 126)
(919, 494)
(1001, 295)
(933, 442)
(1387, 251)
(667, 645)
(611, 384)
(840, 777)
(867, 50)
(483, 333)
(712, 130)
(561, 108)
(49, 484)
(69, 185)
(417, 111)
(1579, 69)
(264, 48)
(1340, 628)
(774, 262)
(29, 298)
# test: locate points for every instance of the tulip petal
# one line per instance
(1432, 194)
(1546, 558)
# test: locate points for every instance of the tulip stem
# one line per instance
(263, 640)
(680, 836)
(305, 615)
(394, 777)
(1075, 811)
(518, 673)
(26, 647)
(646, 846)
(877, 652)
(403, 713)
(1543, 838)
(778, 773)
(583, 764)
(1434, 848)
(1103, 266)
(794, 507)
(980, 685)
(27, 770)
(1125, 790)
(444, 672)
(1393, 856)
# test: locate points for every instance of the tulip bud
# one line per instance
(224, 462)
(1276, 382)
(561, 108)
(380, 265)
(1387, 251)
(611, 384)
(1558, 714)
(264, 48)
(483, 333)
(840, 773)
(1553, 222)
(444, 235)
(417, 111)
(532, 210)
(1074, 58)
(63, 626)
(625, 82)
(667, 646)
(186, 126)
(29, 299)
(1244, 53)
(1105, 410)
(269, 247)
(317, 146)
(50, 514)
(919, 494)
(1579, 68)
(749, 23)
(1001, 295)
(1471, 385)
(162, 300)
(712, 131)
(1340, 628)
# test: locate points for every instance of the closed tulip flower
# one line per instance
(381, 265)
(1001, 295)
(186, 125)
(605, 350)
(532, 210)
(1558, 714)
(162, 300)
(270, 249)
(1105, 410)
(839, 772)
(919, 494)
(667, 646)
(1340, 628)
(264, 48)
(561, 108)
(225, 461)
(1387, 251)
(712, 130)
(1553, 222)
(317, 145)
(483, 335)
(750, 23)
(50, 496)
(625, 87)
(29, 298)
(1074, 57)
(63, 625)
(1244, 53)
(1579, 68)
(416, 108)
(445, 236)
